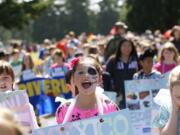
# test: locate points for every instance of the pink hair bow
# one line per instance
(74, 61)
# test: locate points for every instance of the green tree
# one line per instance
(77, 15)
(152, 14)
(109, 12)
(46, 26)
(15, 14)
(59, 19)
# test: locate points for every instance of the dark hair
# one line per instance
(68, 76)
(93, 50)
(147, 53)
(59, 53)
(2, 54)
(7, 68)
(118, 52)
(30, 59)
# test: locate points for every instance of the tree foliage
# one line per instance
(77, 15)
(15, 14)
(152, 14)
(59, 19)
(55, 20)
(108, 15)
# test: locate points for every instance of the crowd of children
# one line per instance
(86, 67)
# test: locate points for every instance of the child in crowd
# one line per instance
(7, 79)
(146, 61)
(168, 58)
(86, 76)
(16, 63)
(167, 121)
(59, 68)
(48, 58)
(28, 69)
(27, 62)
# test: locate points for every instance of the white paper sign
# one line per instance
(28, 75)
(116, 123)
(139, 100)
(18, 102)
(57, 72)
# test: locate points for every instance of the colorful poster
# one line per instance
(116, 123)
(111, 95)
(43, 91)
(139, 101)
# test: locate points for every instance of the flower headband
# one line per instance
(74, 61)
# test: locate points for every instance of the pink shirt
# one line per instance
(163, 68)
(78, 114)
(64, 65)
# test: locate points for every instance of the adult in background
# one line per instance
(121, 67)
(16, 63)
(176, 37)
(118, 31)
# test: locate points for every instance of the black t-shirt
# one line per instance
(120, 71)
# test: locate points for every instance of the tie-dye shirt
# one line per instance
(162, 118)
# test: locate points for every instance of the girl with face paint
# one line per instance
(86, 77)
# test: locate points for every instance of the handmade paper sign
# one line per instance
(18, 102)
(139, 101)
(116, 123)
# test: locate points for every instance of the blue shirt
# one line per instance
(141, 75)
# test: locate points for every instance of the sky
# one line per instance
(93, 3)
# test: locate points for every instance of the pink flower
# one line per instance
(74, 61)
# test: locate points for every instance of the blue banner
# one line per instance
(43, 91)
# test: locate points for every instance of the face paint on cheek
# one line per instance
(93, 74)
(93, 79)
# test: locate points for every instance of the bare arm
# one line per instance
(172, 125)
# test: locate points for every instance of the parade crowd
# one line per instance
(90, 65)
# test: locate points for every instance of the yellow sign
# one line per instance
(35, 87)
